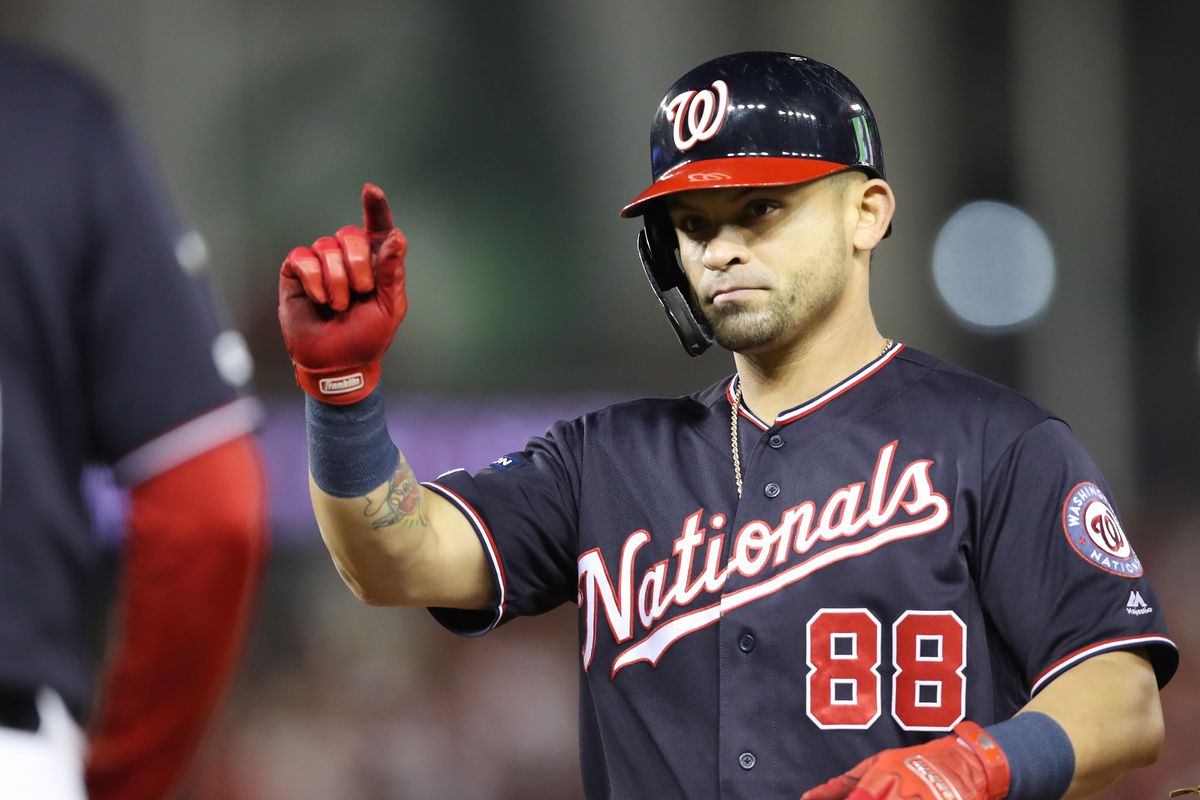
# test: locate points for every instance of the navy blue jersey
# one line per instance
(106, 354)
(915, 547)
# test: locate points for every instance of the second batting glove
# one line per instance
(968, 764)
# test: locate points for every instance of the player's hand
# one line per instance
(340, 302)
(967, 764)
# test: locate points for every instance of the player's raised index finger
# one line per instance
(377, 217)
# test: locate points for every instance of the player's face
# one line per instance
(766, 263)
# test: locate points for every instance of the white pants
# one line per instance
(47, 764)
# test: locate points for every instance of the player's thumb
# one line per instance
(389, 266)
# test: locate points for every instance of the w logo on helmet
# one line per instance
(702, 113)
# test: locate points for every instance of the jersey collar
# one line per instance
(835, 391)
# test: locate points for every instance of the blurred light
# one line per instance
(191, 252)
(232, 358)
(993, 266)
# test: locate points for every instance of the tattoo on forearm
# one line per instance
(400, 503)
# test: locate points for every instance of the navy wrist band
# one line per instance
(349, 449)
(1040, 757)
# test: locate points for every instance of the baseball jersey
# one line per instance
(914, 547)
(106, 355)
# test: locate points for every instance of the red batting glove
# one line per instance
(968, 765)
(340, 302)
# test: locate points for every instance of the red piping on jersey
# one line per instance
(476, 520)
(742, 409)
(836, 391)
(1121, 643)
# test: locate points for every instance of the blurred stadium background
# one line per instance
(507, 136)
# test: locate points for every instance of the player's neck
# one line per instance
(786, 377)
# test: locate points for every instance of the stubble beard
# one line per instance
(806, 298)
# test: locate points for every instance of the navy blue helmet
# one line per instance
(747, 119)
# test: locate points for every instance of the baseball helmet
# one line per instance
(747, 119)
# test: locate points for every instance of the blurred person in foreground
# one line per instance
(848, 570)
(107, 355)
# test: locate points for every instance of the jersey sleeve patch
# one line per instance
(508, 462)
(1095, 533)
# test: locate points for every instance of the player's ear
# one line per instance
(875, 205)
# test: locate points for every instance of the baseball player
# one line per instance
(106, 355)
(848, 570)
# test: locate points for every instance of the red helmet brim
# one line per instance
(742, 171)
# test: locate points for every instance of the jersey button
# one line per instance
(747, 760)
(776, 441)
(771, 490)
(746, 643)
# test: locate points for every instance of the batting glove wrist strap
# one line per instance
(349, 449)
(339, 385)
(992, 757)
(1040, 756)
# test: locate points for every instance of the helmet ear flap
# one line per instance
(657, 249)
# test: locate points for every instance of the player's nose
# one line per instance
(724, 250)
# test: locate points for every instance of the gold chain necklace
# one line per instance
(733, 423)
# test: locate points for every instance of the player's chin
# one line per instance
(746, 346)
(746, 333)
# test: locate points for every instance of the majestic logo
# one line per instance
(756, 546)
(700, 112)
(1093, 530)
(342, 385)
(1136, 605)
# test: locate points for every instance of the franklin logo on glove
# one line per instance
(342, 385)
